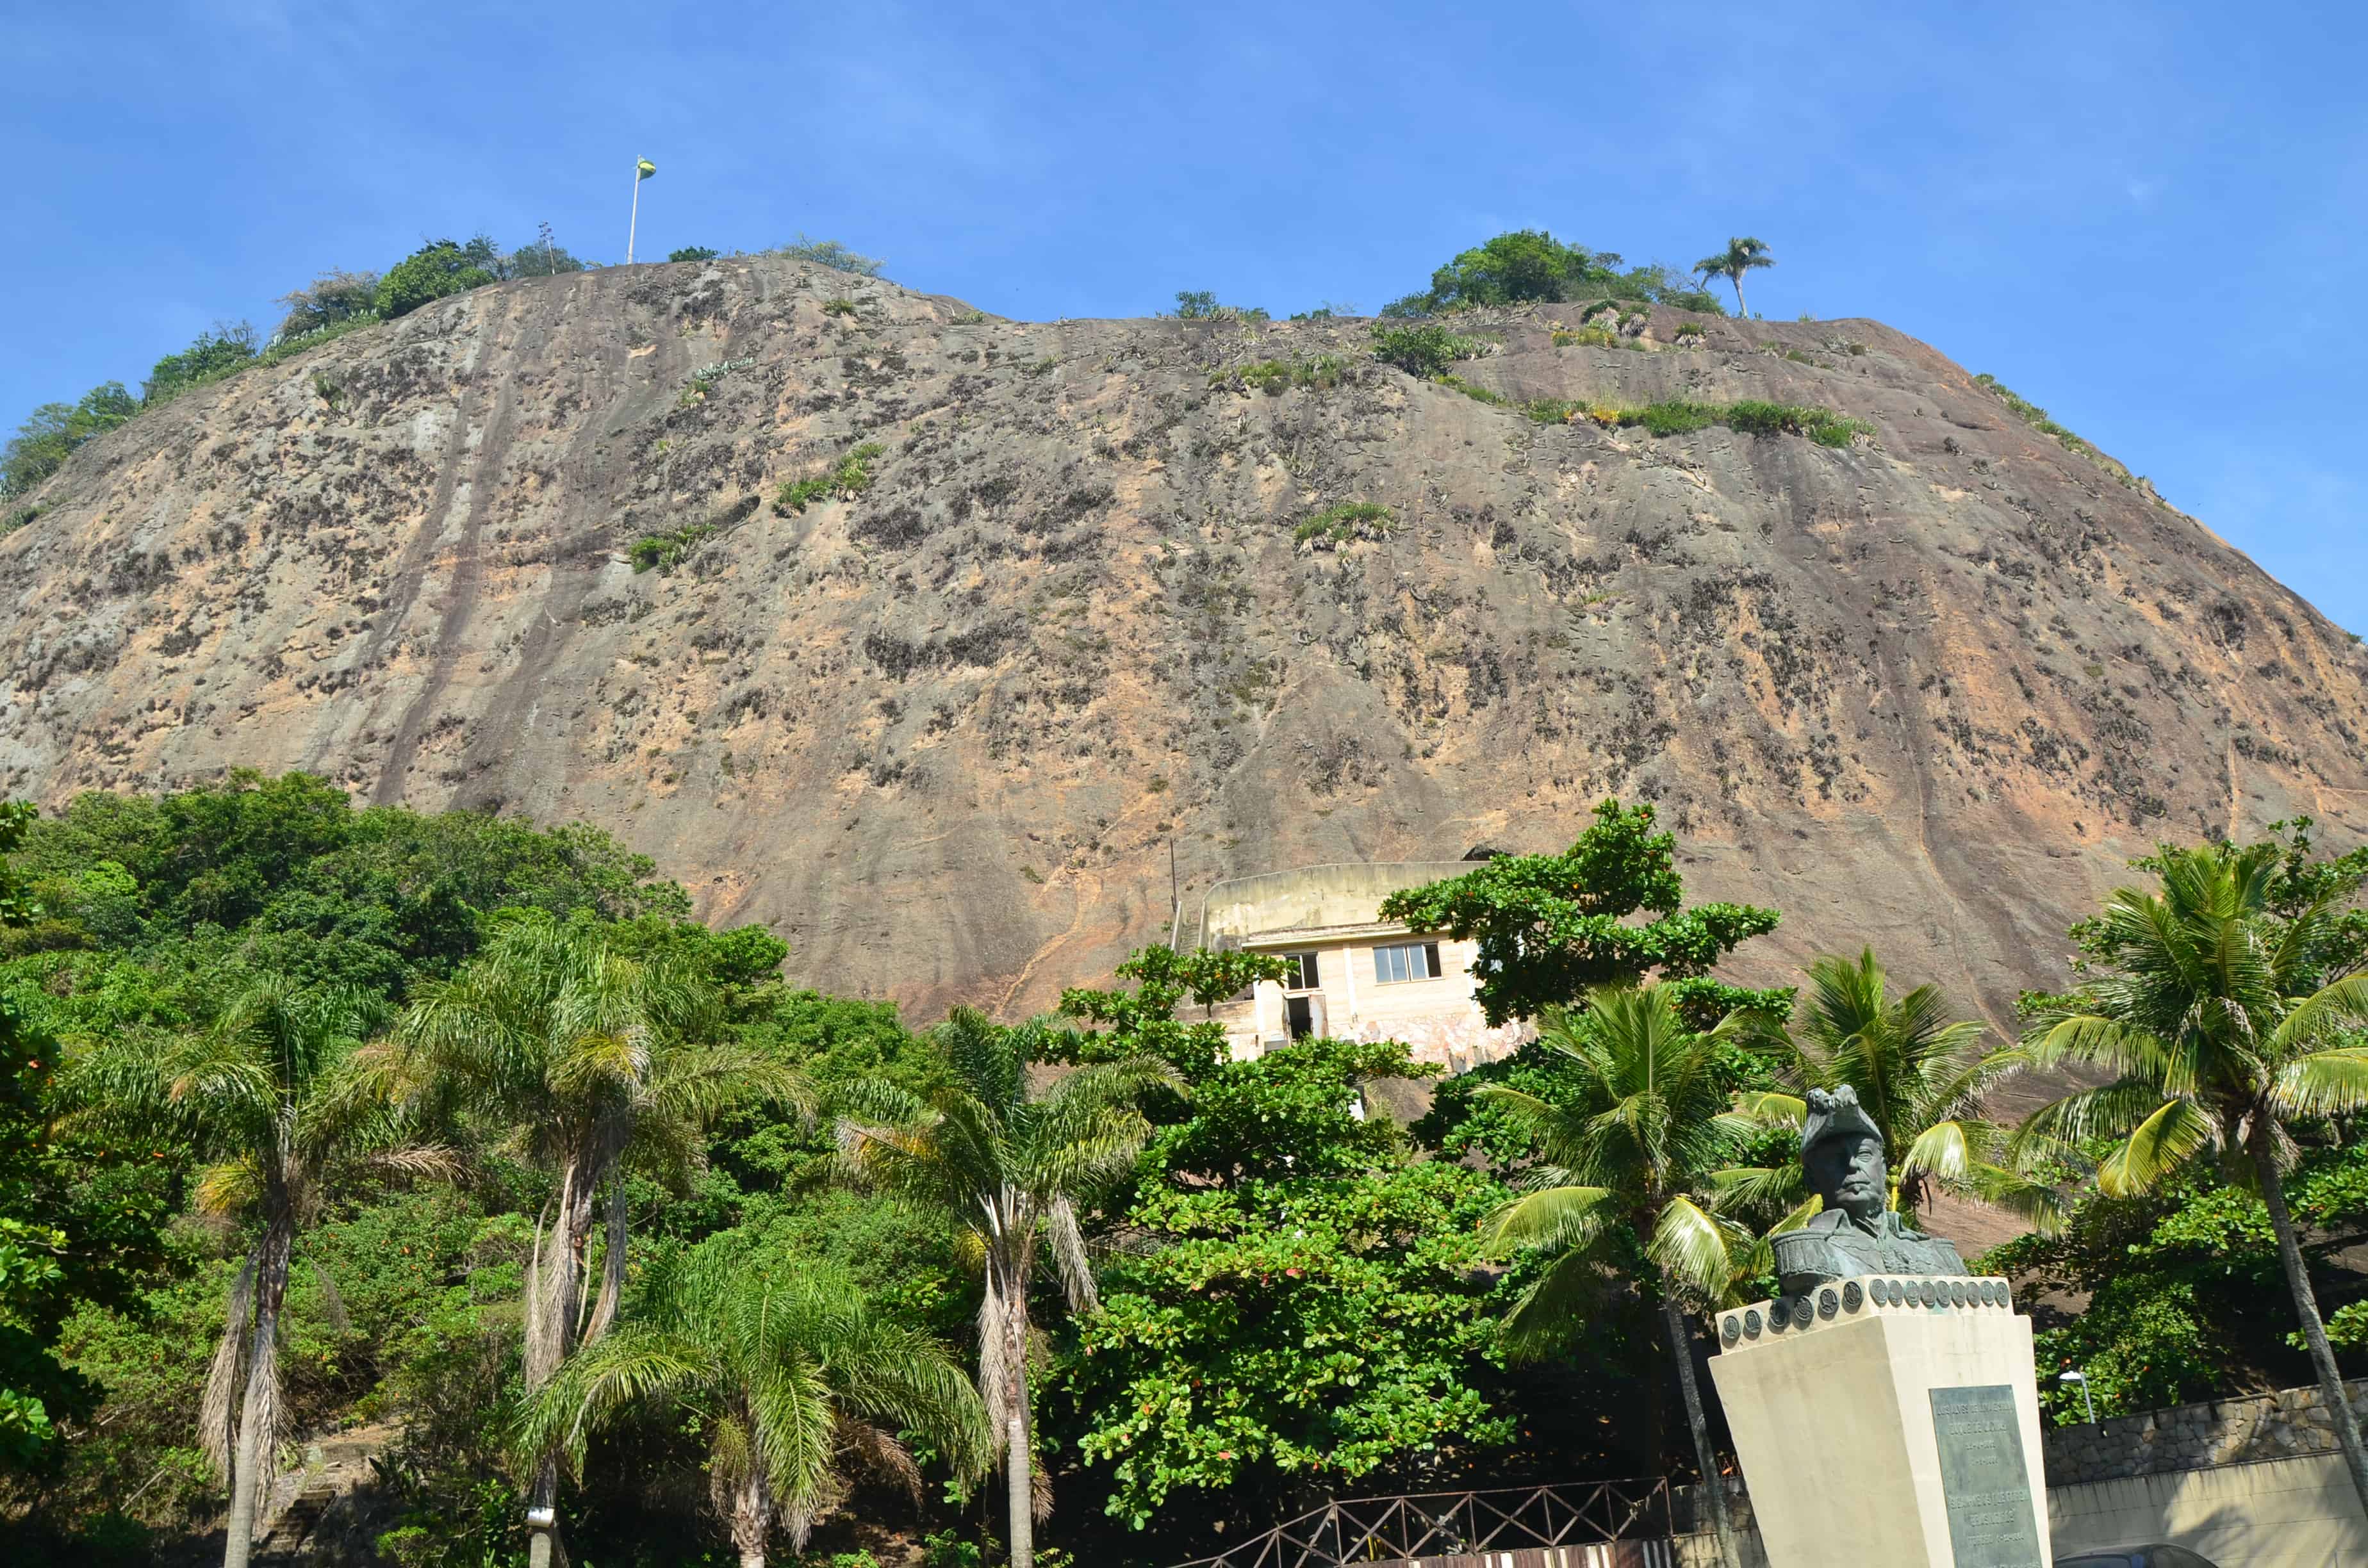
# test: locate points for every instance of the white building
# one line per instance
(1351, 974)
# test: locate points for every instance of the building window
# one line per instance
(1298, 971)
(1407, 960)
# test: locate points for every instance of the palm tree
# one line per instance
(270, 1100)
(1009, 1171)
(596, 1060)
(787, 1376)
(1636, 1152)
(1740, 257)
(1918, 1077)
(2223, 1031)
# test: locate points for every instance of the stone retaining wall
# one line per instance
(2190, 1436)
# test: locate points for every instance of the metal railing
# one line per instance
(1354, 1532)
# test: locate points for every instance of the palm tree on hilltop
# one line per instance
(1741, 255)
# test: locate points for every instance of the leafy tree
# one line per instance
(1636, 1156)
(330, 299)
(2215, 1008)
(597, 1059)
(30, 1378)
(1551, 927)
(784, 1373)
(694, 253)
(2184, 1287)
(1305, 1308)
(1143, 1022)
(269, 1098)
(435, 269)
(1530, 264)
(1741, 255)
(215, 353)
(1009, 1172)
(1919, 1077)
(52, 432)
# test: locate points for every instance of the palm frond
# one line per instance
(2159, 1145)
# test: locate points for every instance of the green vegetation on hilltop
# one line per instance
(1529, 265)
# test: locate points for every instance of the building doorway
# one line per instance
(1299, 1016)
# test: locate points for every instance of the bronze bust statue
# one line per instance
(1857, 1234)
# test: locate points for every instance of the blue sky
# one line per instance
(2145, 217)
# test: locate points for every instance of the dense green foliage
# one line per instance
(1218, 1287)
(52, 432)
(1551, 927)
(1532, 265)
(215, 353)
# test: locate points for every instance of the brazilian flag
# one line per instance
(644, 169)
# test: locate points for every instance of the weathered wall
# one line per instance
(2188, 1437)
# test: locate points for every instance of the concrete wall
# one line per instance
(2293, 1513)
(2187, 1436)
(1311, 896)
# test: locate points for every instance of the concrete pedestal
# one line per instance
(1891, 1422)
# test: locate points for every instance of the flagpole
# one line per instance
(634, 221)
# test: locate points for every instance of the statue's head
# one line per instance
(1841, 1152)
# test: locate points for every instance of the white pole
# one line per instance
(634, 221)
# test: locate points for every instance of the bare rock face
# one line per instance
(1926, 690)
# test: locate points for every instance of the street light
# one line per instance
(2082, 1379)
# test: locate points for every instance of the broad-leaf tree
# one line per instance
(1635, 1156)
(785, 1374)
(269, 1099)
(1009, 1171)
(596, 1061)
(1741, 255)
(2220, 1018)
(1918, 1073)
(1550, 927)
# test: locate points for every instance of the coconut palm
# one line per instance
(270, 1100)
(2223, 1030)
(1009, 1171)
(1633, 1154)
(789, 1379)
(596, 1061)
(1741, 255)
(1918, 1074)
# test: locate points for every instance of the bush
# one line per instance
(431, 272)
(52, 432)
(665, 552)
(333, 297)
(839, 307)
(1529, 264)
(1200, 305)
(851, 477)
(1690, 329)
(1488, 395)
(1340, 525)
(694, 253)
(1587, 336)
(1273, 377)
(830, 253)
(1427, 351)
(214, 355)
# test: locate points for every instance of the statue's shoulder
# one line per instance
(1826, 1221)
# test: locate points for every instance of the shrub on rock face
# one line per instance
(431, 272)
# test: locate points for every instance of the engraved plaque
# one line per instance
(1829, 1301)
(1852, 1297)
(1984, 1482)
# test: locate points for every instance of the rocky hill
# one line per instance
(937, 715)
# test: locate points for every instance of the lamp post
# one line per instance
(2082, 1379)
